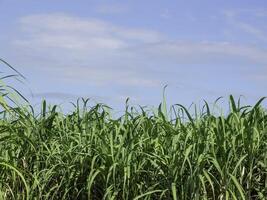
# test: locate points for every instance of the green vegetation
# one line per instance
(87, 154)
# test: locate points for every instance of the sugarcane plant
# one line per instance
(170, 153)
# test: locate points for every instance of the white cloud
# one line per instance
(71, 42)
(61, 22)
(92, 47)
(58, 24)
(237, 19)
(258, 33)
(102, 53)
(206, 52)
(256, 12)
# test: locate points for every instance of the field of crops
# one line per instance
(144, 154)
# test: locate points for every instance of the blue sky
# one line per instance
(111, 50)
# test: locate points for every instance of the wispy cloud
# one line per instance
(237, 19)
(60, 30)
(102, 53)
(256, 12)
(95, 48)
(206, 52)
(253, 30)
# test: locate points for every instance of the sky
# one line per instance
(110, 50)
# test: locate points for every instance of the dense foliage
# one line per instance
(142, 155)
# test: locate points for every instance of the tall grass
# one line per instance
(87, 154)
